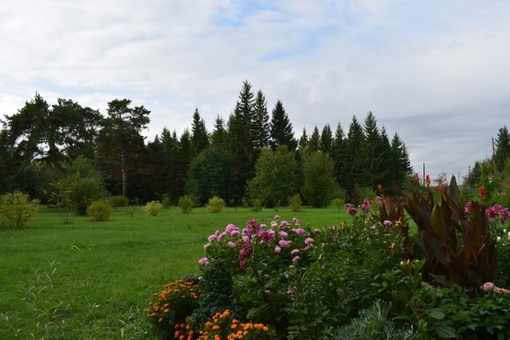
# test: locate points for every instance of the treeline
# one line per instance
(254, 155)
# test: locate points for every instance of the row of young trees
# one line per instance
(254, 155)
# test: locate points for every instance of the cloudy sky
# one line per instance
(436, 72)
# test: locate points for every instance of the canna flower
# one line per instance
(427, 180)
(481, 191)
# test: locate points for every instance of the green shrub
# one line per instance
(153, 208)
(256, 205)
(118, 201)
(186, 204)
(165, 200)
(339, 203)
(100, 210)
(295, 203)
(18, 208)
(215, 204)
(373, 323)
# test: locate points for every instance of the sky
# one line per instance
(436, 72)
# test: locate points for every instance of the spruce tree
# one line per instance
(199, 135)
(281, 129)
(314, 141)
(502, 149)
(401, 165)
(326, 140)
(353, 145)
(219, 133)
(260, 126)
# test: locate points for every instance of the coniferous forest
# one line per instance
(254, 155)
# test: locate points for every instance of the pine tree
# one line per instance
(502, 149)
(314, 141)
(354, 142)
(281, 129)
(401, 165)
(199, 135)
(219, 134)
(260, 127)
(338, 153)
(303, 140)
(326, 140)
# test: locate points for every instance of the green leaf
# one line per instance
(436, 313)
(445, 332)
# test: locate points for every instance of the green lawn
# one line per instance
(93, 280)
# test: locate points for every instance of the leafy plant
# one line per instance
(215, 204)
(18, 208)
(295, 203)
(186, 204)
(224, 326)
(118, 201)
(100, 210)
(173, 305)
(153, 208)
(457, 245)
(373, 323)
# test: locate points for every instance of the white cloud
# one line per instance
(436, 72)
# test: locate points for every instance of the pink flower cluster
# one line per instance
(276, 237)
(497, 210)
(491, 287)
(493, 212)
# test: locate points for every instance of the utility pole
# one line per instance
(423, 177)
(493, 160)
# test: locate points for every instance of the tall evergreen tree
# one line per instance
(199, 135)
(219, 133)
(240, 140)
(502, 149)
(281, 129)
(314, 141)
(261, 122)
(326, 141)
(355, 139)
(338, 153)
(372, 154)
(401, 164)
(121, 145)
(303, 140)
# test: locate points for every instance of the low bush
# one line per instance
(153, 208)
(118, 201)
(295, 203)
(215, 204)
(186, 204)
(18, 209)
(100, 210)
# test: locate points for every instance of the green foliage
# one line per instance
(256, 205)
(186, 204)
(118, 201)
(165, 200)
(455, 313)
(18, 209)
(338, 203)
(276, 177)
(320, 185)
(215, 204)
(216, 287)
(304, 281)
(373, 323)
(458, 246)
(295, 203)
(100, 210)
(153, 208)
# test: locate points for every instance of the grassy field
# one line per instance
(93, 280)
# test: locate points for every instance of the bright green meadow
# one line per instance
(93, 280)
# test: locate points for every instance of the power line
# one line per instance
(469, 154)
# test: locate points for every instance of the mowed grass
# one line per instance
(93, 280)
